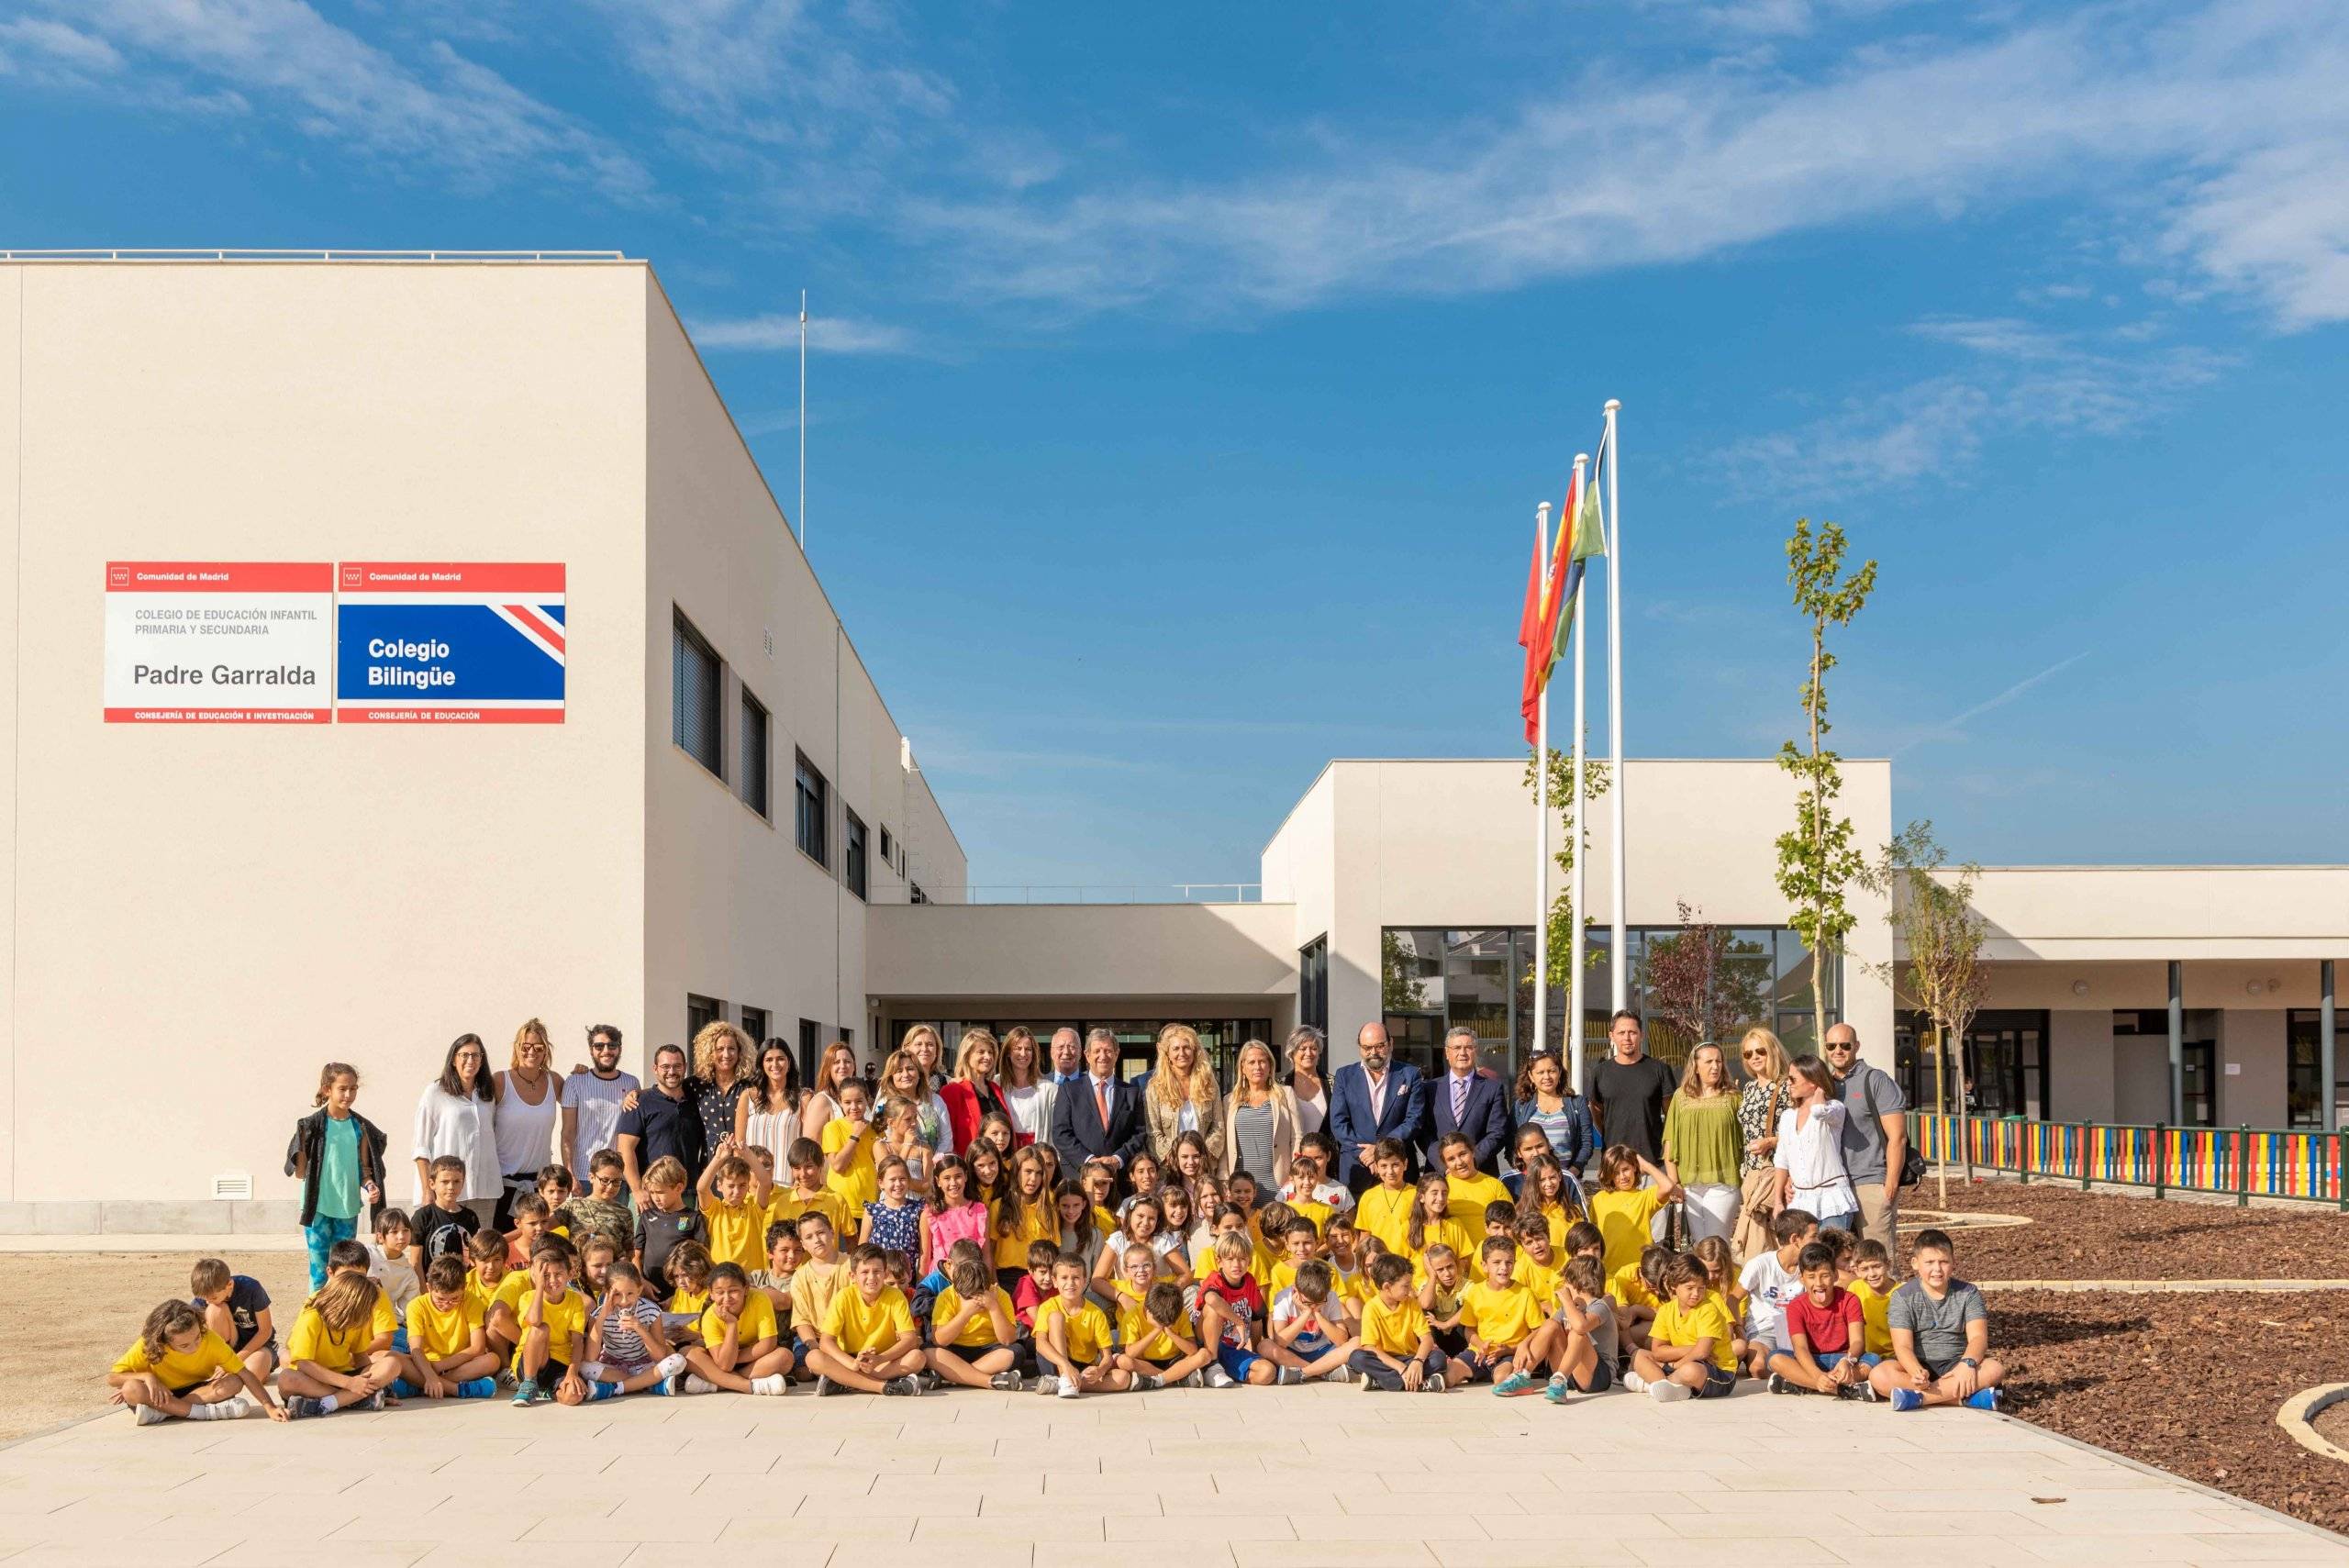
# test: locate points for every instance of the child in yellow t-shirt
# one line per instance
(1468, 1191)
(816, 1282)
(868, 1340)
(741, 1349)
(1871, 1282)
(491, 1285)
(1431, 1225)
(448, 1339)
(178, 1367)
(688, 1268)
(1689, 1354)
(339, 1355)
(1442, 1276)
(553, 1317)
(973, 1330)
(849, 1140)
(1073, 1338)
(1537, 1265)
(1398, 1351)
(1623, 1210)
(807, 1193)
(1160, 1347)
(1501, 1317)
(1636, 1288)
(1384, 1211)
(734, 1207)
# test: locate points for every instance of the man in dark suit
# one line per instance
(1467, 1100)
(1096, 1116)
(1371, 1099)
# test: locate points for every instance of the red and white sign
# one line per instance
(219, 643)
(451, 642)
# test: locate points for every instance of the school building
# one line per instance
(407, 645)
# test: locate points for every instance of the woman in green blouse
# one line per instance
(1703, 1145)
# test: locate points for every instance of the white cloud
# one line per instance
(1923, 431)
(826, 334)
(32, 42)
(283, 58)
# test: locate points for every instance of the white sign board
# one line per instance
(219, 643)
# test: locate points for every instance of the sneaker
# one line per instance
(1985, 1399)
(1434, 1385)
(1907, 1399)
(1007, 1382)
(670, 1386)
(1851, 1391)
(1219, 1378)
(1634, 1381)
(1146, 1383)
(1663, 1391)
(1047, 1384)
(1067, 1389)
(772, 1385)
(1194, 1380)
(1368, 1386)
(527, 1392)
(234, 1409)
(696, 1384)
(670, 1365)
(1345, 1373)
(1866, 1391)
(298, 1407)
(1515, 1382)
(825, 1387)
(1777, 1384)
(148, 1416)
(902, 1387)
(1287, 1376)
(1558, 1390)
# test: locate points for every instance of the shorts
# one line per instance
(1719, 1382)
(1602, 1378)
(1235, 1362)
(1936, 1371)
(799, 1349)
(1829, 1363)
(1157, 1365)
(1453, 1342)
(967, 1353)
(399, 1341)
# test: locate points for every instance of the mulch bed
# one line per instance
(2104, 1236)
(2332, 1423)
(2188, 1384)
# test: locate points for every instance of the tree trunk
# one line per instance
(1941, 1101)
(1818, 864)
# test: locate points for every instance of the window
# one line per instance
(751, 748)
(812, 812)
(853, 862)
(694, 684)
(2304, 1096)
(2005, 1064)
(888, 848)
(1313, 985)
(700, 1012)
(914, 893)
(809, 1046)
(754, 1024)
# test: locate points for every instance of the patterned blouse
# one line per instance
(1754, 1120)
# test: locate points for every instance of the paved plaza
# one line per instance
(1294, 1477)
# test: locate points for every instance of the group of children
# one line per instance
(991, 1272)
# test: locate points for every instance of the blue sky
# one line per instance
(1187, 376)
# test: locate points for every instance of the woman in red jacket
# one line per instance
(972, 1091)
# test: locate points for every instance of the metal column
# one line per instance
(2328, 1108)
(2176, 1044)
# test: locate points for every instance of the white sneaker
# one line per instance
(1219, 1378)
(148, 1416)
(1047, 1384)
(696, 1384)
(1663, 1391)
(1634, 1381)
(670, 1365)
(1067, 1390)
(772, 1385)
(1196, 1380)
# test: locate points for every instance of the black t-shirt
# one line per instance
(668, 1129)
(658, 1231)
(247, 1302)
(440, 1232)
(1632, 1101)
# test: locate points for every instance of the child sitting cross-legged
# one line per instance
(1398, 1351)
(448, 1344)
(626, 1350)
(1504, 1322)
(1825, 1329)
(741, 1348)
(1159, 1348)
(179, 1367)
(554, 1320)
(1585, 1344)
(972, 1329)
(1073, 1338)
(1688, 1352)
(1232, 1314)
(236, 1308)
(1941, 1335)
(1311, 1330)
(339, 1355)
(869, 1343)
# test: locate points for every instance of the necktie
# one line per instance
(1459, 1098)
(1101, 1102)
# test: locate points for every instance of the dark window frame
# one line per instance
(811, 810)
(754, 748)
(856, 871)
(685, 640)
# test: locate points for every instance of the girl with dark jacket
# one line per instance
(338, 1154)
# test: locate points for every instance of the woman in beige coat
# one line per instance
(1182, 1096)
(1260, 1119)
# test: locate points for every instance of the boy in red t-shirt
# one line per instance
(1825, 1328)
(1231, 1319)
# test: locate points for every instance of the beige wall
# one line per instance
(1077, 952)
(226, 906)
(11, 288)
(2253, 1068)
(2086, 913)
(2080, 1064)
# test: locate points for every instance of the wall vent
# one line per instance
(236, 1185)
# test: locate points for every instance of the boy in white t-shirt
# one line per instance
(1772, 1279)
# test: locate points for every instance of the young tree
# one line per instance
(1933, 917)
(1570, 837)
(1696, 982)
(1816, 859)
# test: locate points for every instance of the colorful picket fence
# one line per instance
(2242, 1161)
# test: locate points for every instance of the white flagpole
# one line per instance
(1617, 959)
(803, 421)
(1573, 941)
(1542, 815)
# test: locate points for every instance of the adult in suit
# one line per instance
(1467, 1100)
(1097, 1118)
(1373, 1098)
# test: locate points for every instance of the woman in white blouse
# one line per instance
(1809, 1155)
(821, 1104)
(457, 1115)
(1028, 1090)
(1305, 1085)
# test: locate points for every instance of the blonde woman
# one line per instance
(1260, 1119)
(529, 1105)
(1762, 1060)
(904, 1082)
(725, 1063)
(1183, 1095)
(972, 1091)
(1702, 1145)
(922, 1043)
(1026, 1085)
(821, 1105)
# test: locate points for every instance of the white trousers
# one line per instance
(1712, 1210)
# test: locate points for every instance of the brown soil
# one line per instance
(2102, 1236)
(2332, 1424)
(2190, 1383)
(72, 1313)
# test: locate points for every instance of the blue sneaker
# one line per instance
(477, 1388)
(1907, 1399)
(1558, 1390)
(1515, 1382)
(1984, 1399)
(298, 1407)
(602, 1391)
(527, 1392)
(403, 1389)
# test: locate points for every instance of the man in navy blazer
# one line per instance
(1373, 1098)
(1079, 1130)
(1467, 1100)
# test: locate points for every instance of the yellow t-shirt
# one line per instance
(510, 1291)
(566, 1320)
(859, 1185)
(1385, 1213)
(1038, 1222)
(788, 1205)
(1502, 1317)
(1538, 1278)
(1318, 1212)
(1450, 1233)
(442, 1335)
(311, 1341)
(1874, 1309)
(1623, 1218)
(736, 1232)
(980, 1329)
(1707, 1320)
(682, 1302)
(181, 1371)
(1629, 1289)
(756, 1322)
(860, 1325)
(1394, 1329)
(812, 1290)
(1470, 1196)
(1103, 1221)
(1556, 1215)
(1143, 1338)
(1088, 1326)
